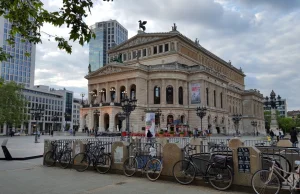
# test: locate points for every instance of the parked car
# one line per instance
(17, 134)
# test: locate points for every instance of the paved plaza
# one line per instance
(30, 177)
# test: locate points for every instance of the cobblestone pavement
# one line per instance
(30, 177)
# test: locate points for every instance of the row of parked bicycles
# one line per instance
(146, 158)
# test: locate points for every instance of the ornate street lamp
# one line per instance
(201, 112)
(128, 105)
(254, 124)
(37, 113)
(112, 92)
(158, 113)
(54, 119)
(273, 102)
(236, 119)
(93, 96)
(82, 95)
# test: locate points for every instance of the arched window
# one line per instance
(207, 97)
(180, 95)
(221, 98)
(123, 93)
(133, 91)
(170, 119)
(169, 95)
(156, 95)
(215, 103)
(112, 94)
(182, 119)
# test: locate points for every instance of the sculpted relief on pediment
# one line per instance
(138, 41)
(110, 70)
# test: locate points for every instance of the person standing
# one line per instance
(149, 136)
(272, 134)
(294, 138)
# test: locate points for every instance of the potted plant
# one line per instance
(161, 133)
(190, 134)
(181, 134)
(171, 133)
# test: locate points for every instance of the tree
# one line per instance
(286, 123)
(12, 104)
(28, 16)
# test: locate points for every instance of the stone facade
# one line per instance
(159, 70)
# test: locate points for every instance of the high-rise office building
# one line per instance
(19, 68)
(108, 34)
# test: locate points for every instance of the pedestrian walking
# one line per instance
(294, 138)
(149, 136)
(272, 134)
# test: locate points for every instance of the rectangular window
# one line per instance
(160, 48)
(155, 50)
(124, 57)
(144, 52)
(166, 47)
(134, 54)
(139, 53)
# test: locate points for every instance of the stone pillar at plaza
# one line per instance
(273, 124)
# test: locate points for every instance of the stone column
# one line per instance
(111, 122)
(29, 127)
(107, 97)
(98, 94)
(101, 123)
(81, 123)
(91, 119)
(117, 92)
(150, 93)
(175, 93)
(163, 92)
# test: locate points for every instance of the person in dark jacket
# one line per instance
(149, 135)
(294, 138)
(272, 134)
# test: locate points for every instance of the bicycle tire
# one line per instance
(189, 172)
(81, 162)
(65, 160)
(257, 177)
(49, 159)
(219, 174)
(103, 163)
(153, 169)
(130, 166)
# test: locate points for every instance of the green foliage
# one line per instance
(286, 123)
(12, 104)
(28, 16)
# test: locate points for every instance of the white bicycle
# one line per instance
(270, 181)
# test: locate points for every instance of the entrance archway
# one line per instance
(118, 123)
(106, 122)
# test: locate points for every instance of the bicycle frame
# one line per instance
(277, 172)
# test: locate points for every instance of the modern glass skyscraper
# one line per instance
(107, 33)
(19, 68)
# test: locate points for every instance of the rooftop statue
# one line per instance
(142, 25)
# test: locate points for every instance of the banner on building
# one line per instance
(195, 93)
(150, 124)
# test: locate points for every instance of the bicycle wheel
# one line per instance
(81, 162)
(264, 182)
(220, 178)
(130, 166)
(65, 159)
(184, 171)
(103, 163)
(49, 159)
(153, 169)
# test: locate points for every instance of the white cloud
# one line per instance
(259, 36)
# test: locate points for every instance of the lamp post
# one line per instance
(54, 119)
(82, 95)
(112, 91)
(201, 112)
(254, 124)
(236, 119)
(93, 96)
(37, 113)
(158, 113)
(96, 113)
(128, 105)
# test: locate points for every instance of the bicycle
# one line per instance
(216, 171)
(273, 179)
(147, 163)
(219, 147)
(63, 156)
(95, 155)
(151, 144)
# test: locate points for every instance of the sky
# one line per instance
(260, 36)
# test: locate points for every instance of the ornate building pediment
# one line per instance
(138, 41)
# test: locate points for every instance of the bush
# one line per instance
(171, 132)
